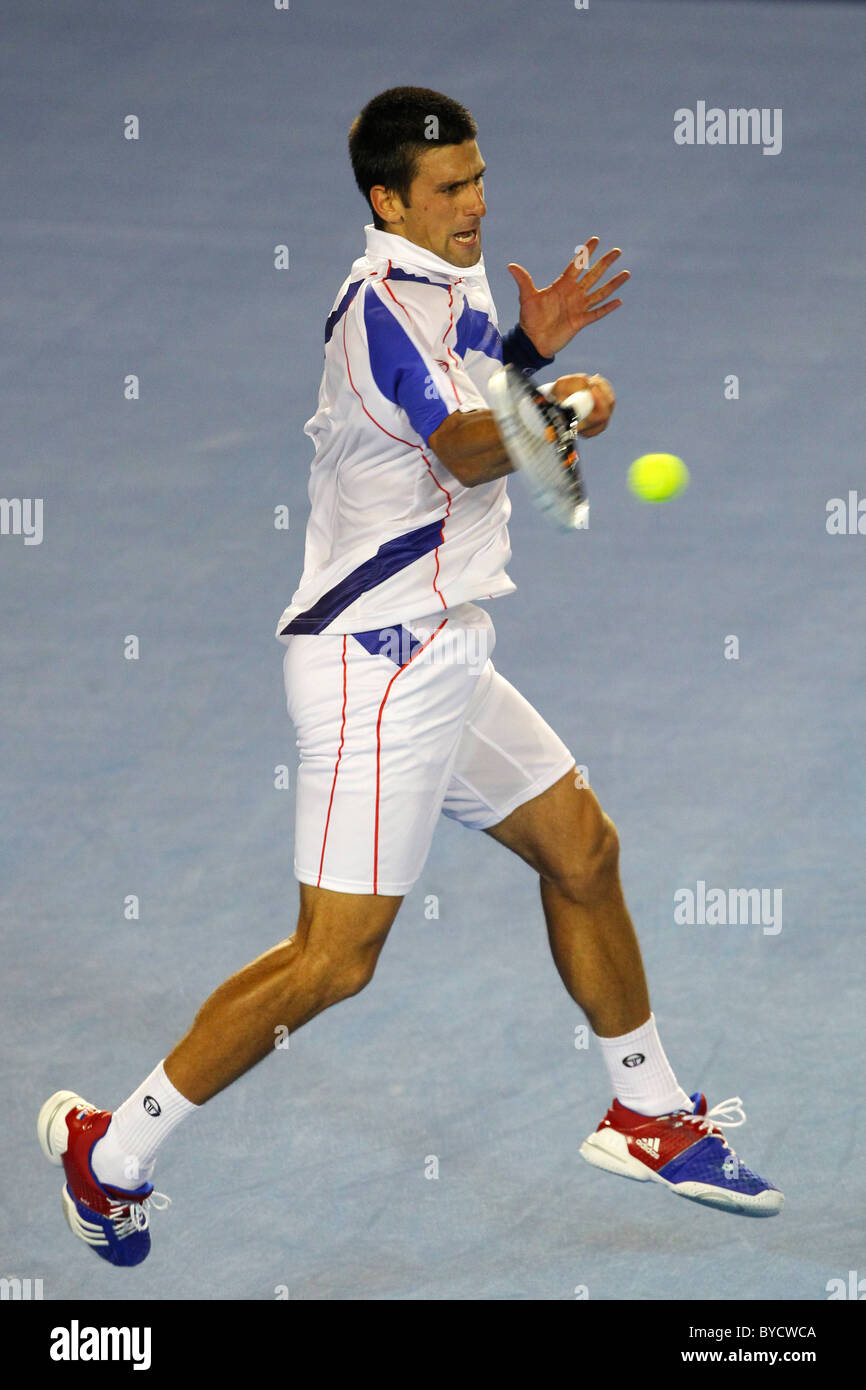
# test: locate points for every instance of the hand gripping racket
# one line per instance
(540, 437)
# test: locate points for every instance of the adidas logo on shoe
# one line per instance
(650, 1146)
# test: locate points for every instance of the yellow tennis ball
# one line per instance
(658, 477)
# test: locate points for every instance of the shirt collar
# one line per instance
(385, 246)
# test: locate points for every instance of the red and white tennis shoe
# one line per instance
(687, 1152)
(112, 1221)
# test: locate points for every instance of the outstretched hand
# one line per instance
(551, 317)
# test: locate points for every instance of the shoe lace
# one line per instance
(129, 1217)
(727, 1114)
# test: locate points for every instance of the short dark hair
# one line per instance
(394, 128)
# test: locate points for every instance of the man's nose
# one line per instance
(475, 205)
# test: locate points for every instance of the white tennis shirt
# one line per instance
(392, 534)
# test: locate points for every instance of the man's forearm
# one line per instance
(470, 446)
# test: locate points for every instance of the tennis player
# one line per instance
(399, 711)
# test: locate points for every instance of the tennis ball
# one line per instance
(658, 477)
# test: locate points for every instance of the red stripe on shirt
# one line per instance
(441, 535)
(445, 335)
(398, 302)
(409, 445)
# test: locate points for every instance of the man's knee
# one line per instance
(333, 973)
(352, 973)
(341, 940)
(591, 862)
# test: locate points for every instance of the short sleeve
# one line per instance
(410, 362)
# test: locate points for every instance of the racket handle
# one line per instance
(580, 403)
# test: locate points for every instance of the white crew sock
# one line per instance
(125, 1154)
(641, 1074)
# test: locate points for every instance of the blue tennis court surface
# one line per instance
(728, 764)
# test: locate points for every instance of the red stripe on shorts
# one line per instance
(336, 765)
(417, 652)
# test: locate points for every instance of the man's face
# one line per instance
(446, 204)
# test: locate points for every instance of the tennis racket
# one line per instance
(540, 437)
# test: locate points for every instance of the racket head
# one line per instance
(542, 444)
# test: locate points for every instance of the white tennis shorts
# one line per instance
(395, 726)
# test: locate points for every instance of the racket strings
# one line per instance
(548, 439)
(540, 438)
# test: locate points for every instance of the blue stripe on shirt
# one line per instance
(395, 273)
(391, 557)
(475, 330)
(337, 313)
(399, 370)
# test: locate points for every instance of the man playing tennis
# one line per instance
(399, 712)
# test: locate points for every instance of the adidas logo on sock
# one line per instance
(650, 1146)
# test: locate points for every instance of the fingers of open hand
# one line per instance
(593, 315)
(591, 274)
(583, 255)
(525, 282)
(604, 290)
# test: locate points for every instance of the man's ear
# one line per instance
(387, 205)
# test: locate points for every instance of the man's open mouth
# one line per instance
(467, 238)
